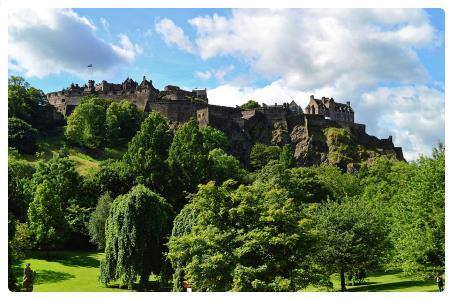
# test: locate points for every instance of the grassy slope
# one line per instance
(66, 272)
(85, 161)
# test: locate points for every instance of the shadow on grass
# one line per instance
(49, 276)
(70, 259)
(392, 286)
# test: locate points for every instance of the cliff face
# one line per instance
(315, 140)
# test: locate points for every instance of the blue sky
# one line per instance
(388, 63)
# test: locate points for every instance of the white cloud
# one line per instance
(206, 75)
(218, 74)
(413, 115)
(311, 48)
(50, 41)
(172, 34)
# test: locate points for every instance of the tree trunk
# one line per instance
(343, 289)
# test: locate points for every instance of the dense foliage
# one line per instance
(352, 236)
(135, 232)
(97, 220)
(262, 154)
(29, 104)
(96, 122)
(21, 136)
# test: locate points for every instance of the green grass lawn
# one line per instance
(66, 272)
(77, 271)
(389, 281)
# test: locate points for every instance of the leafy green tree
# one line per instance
(214, 138)
(338, 183)
(19, 187)
(122, 121)
(187, 159)
(113, 176)
(97, 220)
(135, 231)
(148, 151)
(418, 217)
(112, 124)
(287, 156)
(254, 238)
(46, 217)
(352, 236)
(223, 166)
(61, 173)
(261, 154)
(303, 184)
(251, 104)
(21, 136)
(28, 103)
(86, 124)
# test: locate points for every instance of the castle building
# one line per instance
(277, 124)
(330, 109)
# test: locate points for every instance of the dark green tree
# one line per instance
(352, 236)
(97, 220)
(19, 187)
(223, 166)
(22, 136)
(148, 151)
(214, 138)
(187, 160)
(135, 232)
(261, 154)
(29, 104)
(287, 156)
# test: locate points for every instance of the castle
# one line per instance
(274, 124)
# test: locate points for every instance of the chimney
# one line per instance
(348, 103)
(311, 97)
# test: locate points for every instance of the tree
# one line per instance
(97, 220)
(148, 151)
(122, 121)
(64, 179)
(214, 138)
(135, 231)
(19, 187)
(287, 156)
(418, 217)
(223, 166)
(251, 104)
(46, 217)
(250, 239)
(303, 184)
(187, 159)
(116, 177)
(352, 236)
(261, 154)
(21, 136)
(29, 104)
(86, 124)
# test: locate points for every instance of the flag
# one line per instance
(90, 65)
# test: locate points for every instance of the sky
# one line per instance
(389, 63)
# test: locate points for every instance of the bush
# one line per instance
(22, 136)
